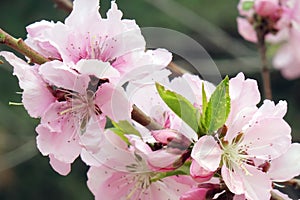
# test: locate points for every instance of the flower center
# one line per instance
(81, 107)
(233, 155)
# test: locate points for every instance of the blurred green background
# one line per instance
(26, 174)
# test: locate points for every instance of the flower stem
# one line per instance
(265, 69)
(20, 46)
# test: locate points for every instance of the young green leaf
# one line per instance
(124, 127)
(180, 105)
(247, 5)
(217, 110)
(204, 98)
(202, 126)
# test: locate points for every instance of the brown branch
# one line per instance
(20, 46)
(65, 5)
(140, 117)
(261, 34)
(175, 69)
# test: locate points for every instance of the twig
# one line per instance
(261, 33)
(65, 5)
(20, 46)
(140, 117)
(176, 70)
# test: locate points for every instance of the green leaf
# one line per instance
(247, 5)
(180, 105)
(204, 98)
(124, 127)
(216, 113)
(202, 126)
(2, 37)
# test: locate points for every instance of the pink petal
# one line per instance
(207, 153)
(266, 7)
(37, 39)
(138, 64)
(199, 174)
(113, 102)
(96, 68)
(62, 76)
(93, 136)
(195, 194)
(243, 93)
(256, 185)
(60, 167)
(36, 95)
(246, 30)
(83, 11)
(287, 165)
(232, 181)
(190, 86)
(113, 153)
(236, 123)
(162, 160)
(267, 139)
(113, 13)
(269, 110)
(52, 117)
(63, 145)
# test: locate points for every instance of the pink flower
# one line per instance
(113, 40)
(271, 14)
(135, 180)
(63, 128)
(106, 183)
(260, 139)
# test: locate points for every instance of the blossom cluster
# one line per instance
(279, 21)
(209, 141)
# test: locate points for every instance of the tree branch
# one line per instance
(65, 5)
(261, 33)
(140, 117)
(20, 46)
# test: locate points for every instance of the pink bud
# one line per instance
(266, 8)
(172, 138)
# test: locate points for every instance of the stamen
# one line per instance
(15, 104)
